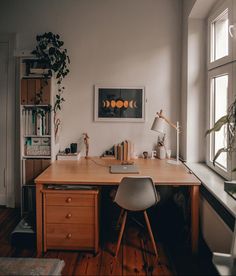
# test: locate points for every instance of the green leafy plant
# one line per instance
(53, 57)
(228, 120)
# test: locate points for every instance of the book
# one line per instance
(120, 152)
(115, 151)
(129, 150)
(125, 149)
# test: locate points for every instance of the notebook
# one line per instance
(124, 169)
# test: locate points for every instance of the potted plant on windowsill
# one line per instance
(228, 120)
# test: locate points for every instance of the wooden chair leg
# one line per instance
(150, 232)
(121, 233)
(120, 218)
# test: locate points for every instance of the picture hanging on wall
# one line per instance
(120, 104)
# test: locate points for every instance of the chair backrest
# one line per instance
(136, 193)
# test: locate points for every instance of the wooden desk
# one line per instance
(95, 171)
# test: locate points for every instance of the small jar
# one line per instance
(161, 152)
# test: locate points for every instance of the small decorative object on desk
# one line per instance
(68, 156)
(67, 150)
(110, 154)
(86, 142)
(145, 154)
(168, 153)
(161, 150)
(153, 154)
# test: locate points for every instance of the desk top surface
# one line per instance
(96, 171)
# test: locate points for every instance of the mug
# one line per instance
(73, 147)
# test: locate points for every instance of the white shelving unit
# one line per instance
(37, 138)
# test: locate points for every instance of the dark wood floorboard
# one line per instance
(136, 255)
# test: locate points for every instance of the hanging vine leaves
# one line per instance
(53, 57)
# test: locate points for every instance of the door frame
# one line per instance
(10, 175)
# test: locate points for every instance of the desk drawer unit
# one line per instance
(71, 219)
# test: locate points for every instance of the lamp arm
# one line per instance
(164, 118)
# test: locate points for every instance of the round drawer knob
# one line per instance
(69, 199)
(69, 236)
(69, 215)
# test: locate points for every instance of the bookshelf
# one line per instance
(37, 139)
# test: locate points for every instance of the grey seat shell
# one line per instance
(136, 193)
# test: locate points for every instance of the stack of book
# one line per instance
(123, 150)
(68, 156)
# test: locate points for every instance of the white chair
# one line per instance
(136, 194)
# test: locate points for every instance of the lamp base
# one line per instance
(174, 162)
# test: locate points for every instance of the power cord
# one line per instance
(99, 164)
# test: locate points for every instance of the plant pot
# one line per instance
(161, 152)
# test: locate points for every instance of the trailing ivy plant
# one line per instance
(228, 120)
(53, 57)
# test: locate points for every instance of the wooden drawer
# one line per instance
(70, 236)
(70, 199)
(70, 214)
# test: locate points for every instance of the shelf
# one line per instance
(33, 77)
(36, 136)
(36, 105)
(37, 157)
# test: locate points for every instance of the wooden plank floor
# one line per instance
(135, 257)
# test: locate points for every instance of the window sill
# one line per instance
(214, 184)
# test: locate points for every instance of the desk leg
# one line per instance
(194, 218)
(39, 219)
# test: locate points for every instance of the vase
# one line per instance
(161, 152)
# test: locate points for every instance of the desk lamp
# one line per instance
(159, 124)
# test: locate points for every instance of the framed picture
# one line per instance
(120, 104)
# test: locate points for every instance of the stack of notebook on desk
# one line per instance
(68, 156)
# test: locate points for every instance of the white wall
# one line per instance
(125, 42)
(193, 82)
(186, 9)
(196, 91)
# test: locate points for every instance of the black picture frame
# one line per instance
(120, 104)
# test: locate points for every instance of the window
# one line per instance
(220, 95)
(220, 49)
(220, 78)
(220, 43)
(219, 103)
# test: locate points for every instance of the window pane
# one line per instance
(220, 96)
(220, 37)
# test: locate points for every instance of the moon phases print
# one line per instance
(120, 102)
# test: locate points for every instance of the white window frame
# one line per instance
(214, 15)
(217, 72)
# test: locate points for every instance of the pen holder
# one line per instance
(161, 152)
